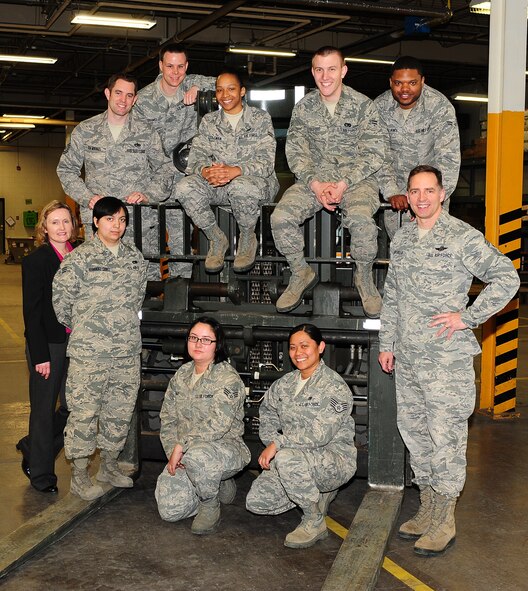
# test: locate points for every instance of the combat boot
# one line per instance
(218, 245)
(441, 533)
(246, 251)
(419, 524)
(109, 471)
(324, 501)
(311, 529)
(370, 297)
(207, 518)
(81, 484)
(303, 278)
(227, 491)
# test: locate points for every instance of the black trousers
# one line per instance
(46, 420)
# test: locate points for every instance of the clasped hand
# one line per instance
(219, 174)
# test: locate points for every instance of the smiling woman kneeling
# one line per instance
(305, 423)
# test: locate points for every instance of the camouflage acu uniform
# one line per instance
(175, 123)
(435, 382)
(207, 421)
(135, 162)
(348, 146)
(251, 147)
(427, 135)
(314, 434)
(99, 295)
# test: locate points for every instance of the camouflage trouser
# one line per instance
(297, 477)
(435, 398)
(244, 194)
(298, 204)
(391, 219)
(206, 465)
(150, 238)
(101, 394)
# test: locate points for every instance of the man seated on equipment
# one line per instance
(232, 162)
(334, 146)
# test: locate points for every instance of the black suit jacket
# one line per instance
(42, 326)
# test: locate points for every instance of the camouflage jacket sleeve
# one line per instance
(298, 150)
(310, 419)
(169, 433)
(389, 313)
(69, 169)
(201, 153)
(202, 82)
(262, 162)
(447, 145)
(65, 290)
(487, 263)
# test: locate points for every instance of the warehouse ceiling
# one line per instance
(452, 42)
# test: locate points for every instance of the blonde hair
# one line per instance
(41, 237)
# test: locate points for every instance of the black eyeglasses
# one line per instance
(204, 340)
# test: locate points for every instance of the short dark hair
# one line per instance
(108, 206)
(172, 48)
(407, 62)
(328, 50)
(233, 72)
(221, 352)
(425, 168)
(310, 329)
(121, 76)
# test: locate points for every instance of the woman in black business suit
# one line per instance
(46, 342)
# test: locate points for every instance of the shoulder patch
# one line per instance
(231, 394)
(339, 406)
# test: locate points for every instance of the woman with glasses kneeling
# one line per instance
(201, 432)
(306, 425)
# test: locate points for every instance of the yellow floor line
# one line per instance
(11, 332)
(391, 567)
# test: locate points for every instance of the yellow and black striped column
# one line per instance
(504, 177)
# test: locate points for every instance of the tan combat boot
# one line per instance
(218, 245)
(370, 297)
(311, 529)
(109, 471)
(303, 278)
(207, 518)
(441, 533)
(246, 251)
(419, 524)
(81, 484)
(227, 491)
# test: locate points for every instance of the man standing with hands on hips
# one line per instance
(426, 338)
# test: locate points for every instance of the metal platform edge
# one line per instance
(47, 527)
(358, 562)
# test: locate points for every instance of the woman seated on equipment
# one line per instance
(232, 162)
(201, 432)
(306, 424)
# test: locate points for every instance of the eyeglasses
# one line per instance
(204, 340)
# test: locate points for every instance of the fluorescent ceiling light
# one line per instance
(7, 136)
(267, 95)
(28, 59)
(18, 125)
(369, 60)
(480, 6)
(470, 97)
(107, 20)
(24, 116)
(249, 50)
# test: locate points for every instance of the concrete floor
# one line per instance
(125, 545)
